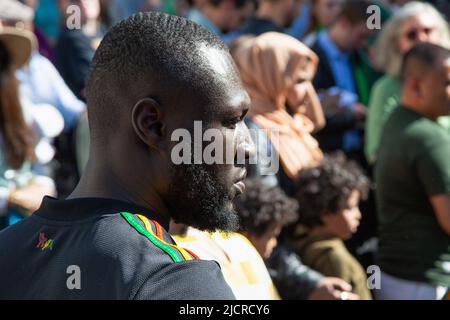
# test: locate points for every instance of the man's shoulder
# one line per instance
(408, 126)
(193, 280)
(183, 274)
(387, 86)
(331, 253)
(109, 235)
(323, 245)
(427, 134)
(143, 236)
(124, 253)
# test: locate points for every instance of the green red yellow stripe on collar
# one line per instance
(176, 253)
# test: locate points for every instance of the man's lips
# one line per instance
(240, 186)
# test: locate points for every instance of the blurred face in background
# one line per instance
(420, 28)
(266, 242)
(355, 35)
(302, 96)
(292, 10)
(326, 11)
(152, 5)
(238, 15)
(400, 2)
(435, 90)
(345, 223)
(89, 9)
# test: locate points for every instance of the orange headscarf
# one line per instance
(277, 69)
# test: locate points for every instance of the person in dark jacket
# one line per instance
(77, 41)
(339, 77)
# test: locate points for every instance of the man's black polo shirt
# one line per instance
(92, 248)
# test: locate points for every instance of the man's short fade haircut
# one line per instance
(145, 51)
(423, 56)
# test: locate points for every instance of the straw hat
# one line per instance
(20, 44)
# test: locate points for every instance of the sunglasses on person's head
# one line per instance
(413, 34)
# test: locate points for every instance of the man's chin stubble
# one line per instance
(200, 201)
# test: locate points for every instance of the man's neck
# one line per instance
(335, 36)
(101, 182)
(411, 104)
(320, 231)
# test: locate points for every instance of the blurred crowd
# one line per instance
(363, 112)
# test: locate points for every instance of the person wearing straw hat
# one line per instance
(40, 82)
(49, 101)
(21, 187)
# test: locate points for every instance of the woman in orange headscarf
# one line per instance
(277, 70)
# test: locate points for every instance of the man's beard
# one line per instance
(197, 198)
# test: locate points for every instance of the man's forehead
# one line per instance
(215, 59)
(447, 63)
(231, 99)
(218, 62)
(443, 68)
(238, 98)
(226, 86)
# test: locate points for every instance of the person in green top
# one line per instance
(328, 197)
(322, 14)
(412, 178)
(413, 23)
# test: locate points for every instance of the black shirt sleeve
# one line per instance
(193, 280)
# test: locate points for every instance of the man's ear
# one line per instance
(147, 118)
(415, 85)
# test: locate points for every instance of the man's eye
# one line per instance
(231, 123)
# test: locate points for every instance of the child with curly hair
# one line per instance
(328, 197)
(263, 211)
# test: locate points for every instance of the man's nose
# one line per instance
(246, 144)
(358, 214)
(422, 36)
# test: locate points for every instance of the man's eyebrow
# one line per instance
(233, 110)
